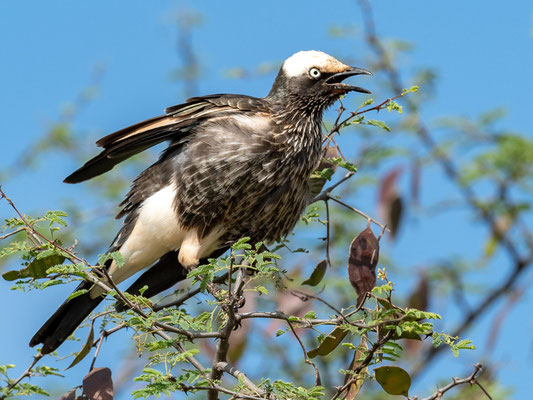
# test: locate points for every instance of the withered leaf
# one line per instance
(394, 380)
(390, 203)
(329, 343)
(98, 385)
(85, 349)
(354, 389)
(362, 262)
(420, 296)
(35, 269)
(70, 395)
(318, 273)
(395, 215)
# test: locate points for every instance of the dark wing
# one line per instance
(177, 123)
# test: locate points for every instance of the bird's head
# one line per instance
(314, 77)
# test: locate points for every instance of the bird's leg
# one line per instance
(188, 255)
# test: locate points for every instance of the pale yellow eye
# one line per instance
(314, 73)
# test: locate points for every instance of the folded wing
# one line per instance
(178, 122)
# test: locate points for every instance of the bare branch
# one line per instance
(384, 227)
(27, 373)
(224, 366)
(487, 215)
(471, 379)
(307, 360)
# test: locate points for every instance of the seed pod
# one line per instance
(390, 203)
(362, 262)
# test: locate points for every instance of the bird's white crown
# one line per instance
(300, 63)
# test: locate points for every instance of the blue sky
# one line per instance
(482, 52)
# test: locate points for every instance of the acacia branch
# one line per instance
(306, 359)
(27, 373)
(471, 379)
(365, 363)
(355, 210)
(224, 366)
(324, 195)
(11, 233)
(520, 263)
(222, 347)
(186, 388)
(179, 301)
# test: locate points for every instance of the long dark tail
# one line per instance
(163, 275)
(65, 320)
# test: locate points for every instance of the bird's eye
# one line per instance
(314, 73)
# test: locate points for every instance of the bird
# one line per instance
(235, 166)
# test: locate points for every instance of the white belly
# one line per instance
(156, 232)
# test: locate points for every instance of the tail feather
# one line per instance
(65, 320)
(161, 276)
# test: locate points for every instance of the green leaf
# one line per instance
(330, 343)
(411, 89)
(377, 123)
(115, 256)
(367, 103)
(310, 315)
(143, 289)
(393, 380)
(4, 368)
(55, 216)
(325, 174)
(405, 335)
(85, 349)
(51, 282)
(347, 165)
(360, 352)
(77, 293)
(261, 289)
(242, 244)
(317, 274)
(35, 269)
(385, 303)
(393, 106)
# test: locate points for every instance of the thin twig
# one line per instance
(366, 361)
(471, 379)
(25, 374)
(487, 215)
(39, 236)
(224, 366)
(12, 233)
(384, 227)
(235, 395)
(338, 125)
(328, 240)
(179, 301)
(222, 347)
(97, 351)
(306, 359)
(325, 193)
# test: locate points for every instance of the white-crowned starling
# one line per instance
(236, 166)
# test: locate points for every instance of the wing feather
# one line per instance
(177, 122)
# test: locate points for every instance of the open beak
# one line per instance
(336, 80)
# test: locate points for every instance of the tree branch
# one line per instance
(471, 379)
